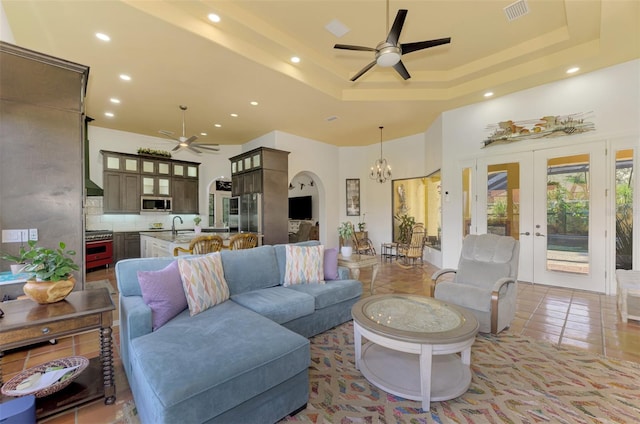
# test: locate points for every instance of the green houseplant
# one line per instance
(52, 271)
(345, 230)
(19, 260)
(405, 226)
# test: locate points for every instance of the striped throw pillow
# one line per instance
(304, 265)
(203, 282)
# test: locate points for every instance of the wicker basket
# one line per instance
(71, 361)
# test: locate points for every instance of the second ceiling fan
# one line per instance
(185, 142)
(389, 51)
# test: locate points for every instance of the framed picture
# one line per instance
(353, 197)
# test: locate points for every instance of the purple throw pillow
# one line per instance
(331, 264)
(162, 291)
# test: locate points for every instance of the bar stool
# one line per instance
(628, 285)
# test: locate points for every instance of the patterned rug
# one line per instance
(515, 380)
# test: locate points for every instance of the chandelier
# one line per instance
(380, 171)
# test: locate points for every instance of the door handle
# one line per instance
(539, 235)
(525, 234)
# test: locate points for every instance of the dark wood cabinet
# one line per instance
(265, 171)
(126, 245)
(127, 177)
(121, 192)
(185, 195)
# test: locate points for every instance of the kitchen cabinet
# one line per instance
(126, 245)
(127, 177)
(121, 192)
(265, 171)
(185, 195)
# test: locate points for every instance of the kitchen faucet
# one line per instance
(173, 224)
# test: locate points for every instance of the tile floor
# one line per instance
(569, 317)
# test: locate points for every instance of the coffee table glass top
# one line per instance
(414, 318)
(419, 314)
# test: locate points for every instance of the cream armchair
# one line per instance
(485, 282)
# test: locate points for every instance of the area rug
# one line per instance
(514, 380)
(90, 285)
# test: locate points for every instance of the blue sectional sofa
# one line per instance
(244, 360)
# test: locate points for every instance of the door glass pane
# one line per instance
(147, 166)
(163, 168)
(131, 164)
(192, 171)
(624, 209)
(568, 214)
(466, 202)
(503, 199)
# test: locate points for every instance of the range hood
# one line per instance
(91, 188)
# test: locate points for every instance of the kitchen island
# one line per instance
(155, 244)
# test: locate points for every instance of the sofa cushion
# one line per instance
(304, 265)
(250, 269)
(234, 354)
(162, 291)
(331, 264)
(203, 281)
(279, 304)
(330, 293)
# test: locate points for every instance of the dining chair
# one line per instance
(201, 245)
(243, 241)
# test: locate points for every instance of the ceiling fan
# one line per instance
(185, 142)
(389, 51)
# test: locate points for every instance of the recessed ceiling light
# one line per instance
(234, 115)
(488, 94)
(295, 59)
(103, 37)
(109, 114)
(217, 125)
(573, 70)
(203, 133)
(125, 77)
(213, 17)
(254, 103)
(114, 100)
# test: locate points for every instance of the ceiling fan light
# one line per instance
(389, 59)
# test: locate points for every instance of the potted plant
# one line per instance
(345, 230)
(362, 225)
(405, 226)
(19, 259)
(197, 227)
(52, 273)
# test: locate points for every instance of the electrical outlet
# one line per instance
(33, 234)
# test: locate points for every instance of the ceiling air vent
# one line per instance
(516, 10)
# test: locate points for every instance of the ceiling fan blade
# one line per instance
(168, 134)
(363, 70)
(396, 29)
(211, 148)
(399, 67)
(175, 149)
(193, 149)
(419, 45)
(191, 139)
(350, 47)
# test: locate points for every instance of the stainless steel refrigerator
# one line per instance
(250, 213)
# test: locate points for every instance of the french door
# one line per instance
(554, 202)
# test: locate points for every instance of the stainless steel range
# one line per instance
(99, 248)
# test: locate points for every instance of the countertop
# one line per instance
(182, 236)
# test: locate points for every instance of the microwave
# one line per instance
(155, 204)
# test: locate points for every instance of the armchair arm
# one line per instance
(495, 296)
(438, 274)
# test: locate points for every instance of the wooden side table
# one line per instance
(26, 322)
(356, 262)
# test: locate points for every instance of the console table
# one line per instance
(355, 262)
(25, 323)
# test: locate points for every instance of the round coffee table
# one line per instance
(413, 346)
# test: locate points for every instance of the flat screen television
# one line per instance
(300, 207)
